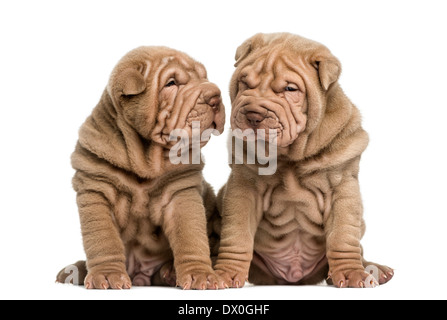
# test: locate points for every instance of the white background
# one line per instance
(55, 61)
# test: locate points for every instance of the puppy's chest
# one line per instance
(143, 202)
(297, 197)
(138, 210)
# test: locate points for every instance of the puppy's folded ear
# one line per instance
(248, 47)
(128, 82)
(242, 52)
(329, 70)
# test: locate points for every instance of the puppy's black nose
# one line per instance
(254, 118)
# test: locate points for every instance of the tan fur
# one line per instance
(140, 214)
(303, 223)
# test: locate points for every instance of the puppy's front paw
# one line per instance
(231, 278)
(101, 278)
(198, 280)
(353, 279)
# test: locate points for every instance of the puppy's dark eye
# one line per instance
(170, 83)
(288, 88)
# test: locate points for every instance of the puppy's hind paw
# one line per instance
(382, 274)
(353, 279)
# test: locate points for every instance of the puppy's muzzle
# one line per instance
(211, 95)
(209, 109)
(254, 118)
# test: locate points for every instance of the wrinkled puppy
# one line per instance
(140, 213)
(303, 223)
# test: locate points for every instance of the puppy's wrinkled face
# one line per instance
(271, 96)
(159, 90)
(271, 86)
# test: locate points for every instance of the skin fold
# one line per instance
(304, 223)
(143, 218)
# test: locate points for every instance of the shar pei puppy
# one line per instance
(303, 223)
(144, 217)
